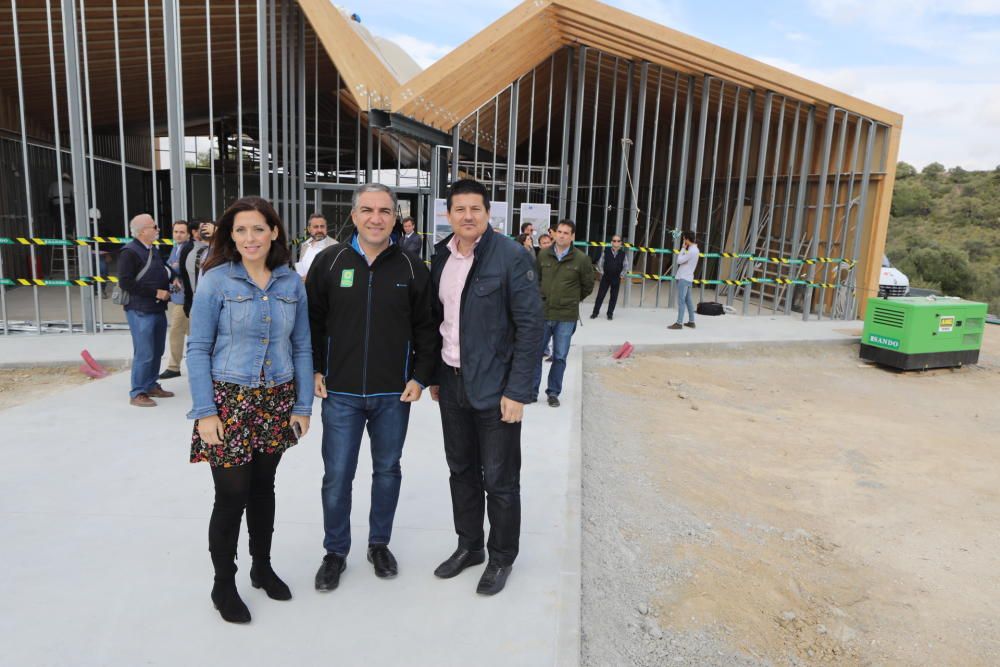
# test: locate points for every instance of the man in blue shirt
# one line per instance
(176, 319)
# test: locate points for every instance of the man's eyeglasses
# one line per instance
(616, 240)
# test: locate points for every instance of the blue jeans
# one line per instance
(684, 299)
(560, 334)
(344, 421)
(149, 335)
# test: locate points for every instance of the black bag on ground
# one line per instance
(710, 308)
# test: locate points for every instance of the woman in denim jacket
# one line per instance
(250, 367)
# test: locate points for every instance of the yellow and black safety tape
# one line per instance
(737, 282)
(728, 255)
(82, 281)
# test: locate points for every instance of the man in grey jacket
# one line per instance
(485, 299)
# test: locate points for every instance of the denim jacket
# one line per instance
(237, 329)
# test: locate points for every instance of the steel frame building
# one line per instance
(618, 123)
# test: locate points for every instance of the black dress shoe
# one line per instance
(262, 576)
(494, 578)
(593, 316)
(383, 560)
(168, 374)
(610, 316)
(228, 602)
(553, 401)
(458, 561)
(328, 575)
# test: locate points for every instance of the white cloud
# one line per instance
(423, 52)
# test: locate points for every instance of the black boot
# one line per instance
(262, 576)
(224, 594)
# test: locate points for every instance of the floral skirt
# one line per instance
(255, 419)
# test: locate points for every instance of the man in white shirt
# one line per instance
(317, 241)
(687, 260)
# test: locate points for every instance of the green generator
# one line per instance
(923, 332)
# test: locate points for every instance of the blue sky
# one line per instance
(937, 62)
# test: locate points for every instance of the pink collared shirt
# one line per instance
(453, 277)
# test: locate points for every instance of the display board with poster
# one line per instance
(442, 228)
(540, 217)
(498, 217)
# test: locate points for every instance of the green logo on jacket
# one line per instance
(347, 278)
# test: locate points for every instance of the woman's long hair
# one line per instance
(224, 248)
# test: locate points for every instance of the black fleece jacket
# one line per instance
(372, 329)
(142, 293)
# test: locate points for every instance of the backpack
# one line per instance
(710, 308)
(119, 295)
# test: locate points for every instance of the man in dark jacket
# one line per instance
(487, 307)
(566, 277)
(145, 276)
(192, 256)
(613, 264)
(410, 240)
(373, 345)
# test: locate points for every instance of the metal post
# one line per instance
(741, 186)
(262, 101)
(285, 132)
(93, 309)
(76, 145)
(318, 193)
(548, 129)
(652, 172)
(239, 100)
(610, 151)
(272, 45)
(835, 197)
(531, 135)
(300, 221)
(581, 83)
(758, 193)
(711, 186)
(515, 94)
(788, 199)
(682, 179)
(824, 171)
(493, 173)
(729, 178)
(699, 157)
(640, 126)
(841, 295)
(626, 141)
(666, 183)
(211, 109)
(863, 204)
(564, 152)
(455, 139)
(800, 196)
(121, 121)
(593, 150)
(152, 126)
(774, 191)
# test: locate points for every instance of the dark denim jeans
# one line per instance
(484, 459)
(561, 333)
(344, 421)
(612, 283)
(149, 335)
(684, 300)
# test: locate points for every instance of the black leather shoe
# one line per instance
(610, 316)
(458, 561)
(168, 374)
(494, 578)
(328, 576)
(228, 602)
(383, 560)
(553, 401)
(262, 576)
(593, 316)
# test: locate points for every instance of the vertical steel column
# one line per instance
(475, 149)
(59, 169)
(774, 194)
(239, 99)
(509, 194)
(291, 89)
(263, 165)
(626, 142)
(593, 151)
(317, 194)
(121, 119)
(800, 196)
(741, 187)
(93, 311)
(792, 151)
(733, 124)
(682, 179)
(824, 171)
(496, 141)
(636, 176)
(834, 199)
(666, 182)
(699, 158)
(652, 172)
(272, 46)
(300, 221)
(357, 147)
(711, 186)
(175, 107)
(843, 293)
(152, 126)
(548, 129)
(455, 142)
(369, 144)
(337, 138)
(564, 149)
(211, 109)
(77, 155)
(531, 136)
(285, 94)
(610, 151)
(758, 193)
(581, 84)
(863, 205)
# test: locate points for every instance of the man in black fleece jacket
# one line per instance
(146, 311)
(373, 341)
